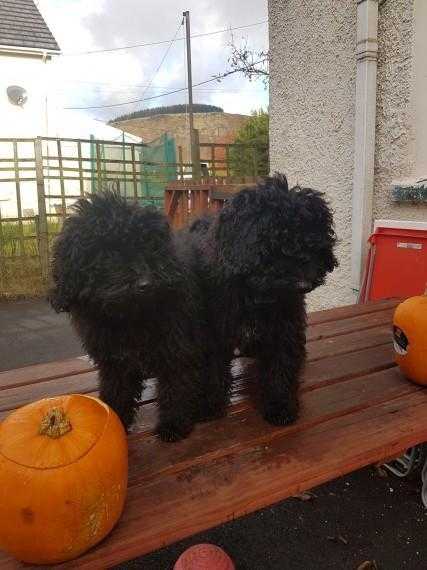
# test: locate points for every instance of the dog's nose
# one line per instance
(142, 284)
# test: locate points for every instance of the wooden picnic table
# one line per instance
(357, 409)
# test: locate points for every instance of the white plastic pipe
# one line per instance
(364, 142)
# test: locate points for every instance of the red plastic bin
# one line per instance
(397, 261)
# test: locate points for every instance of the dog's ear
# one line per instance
(66, 269)
(279, 182)
(150, 225)
(315, 213)
(235, 233)
(58, 299)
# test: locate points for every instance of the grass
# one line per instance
(20, 269)
(21, 278)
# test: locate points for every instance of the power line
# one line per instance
(162, 61)
(114, 86)
(112, 91)
(113, 83)
(160, 42)
(215, 78)
(133, 101)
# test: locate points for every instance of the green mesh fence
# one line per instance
(158, 167)
(140, 170)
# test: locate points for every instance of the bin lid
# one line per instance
(400, 225)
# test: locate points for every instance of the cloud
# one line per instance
(112, 77)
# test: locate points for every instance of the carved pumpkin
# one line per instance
(410, 338)
(63, 478)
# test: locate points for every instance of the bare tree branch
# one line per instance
(252, 64)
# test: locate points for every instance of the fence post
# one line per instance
(43, 237)
(180, 163)
(196, 156)
(213, 163)
(134, 179)
(255, 161)
(227, 160)
(98, 168)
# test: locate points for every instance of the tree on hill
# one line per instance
(168, 110)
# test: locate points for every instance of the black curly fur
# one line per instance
(127, 283)
(257, 258)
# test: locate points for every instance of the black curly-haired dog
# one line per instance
(127, 283)
(256, 260)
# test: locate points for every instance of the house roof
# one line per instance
(22, 26)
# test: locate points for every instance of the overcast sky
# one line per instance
(115, 77)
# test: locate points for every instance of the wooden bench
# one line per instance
(357, 409)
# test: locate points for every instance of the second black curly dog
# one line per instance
(257, 259)
(126, 281)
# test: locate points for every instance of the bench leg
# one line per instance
(408, 463)
(415, 459)
(120, 388)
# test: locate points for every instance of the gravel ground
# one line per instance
(31, 332)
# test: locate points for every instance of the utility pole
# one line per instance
(193, 142)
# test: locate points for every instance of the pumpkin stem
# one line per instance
(55, 423)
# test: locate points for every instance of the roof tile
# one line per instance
(22, 25)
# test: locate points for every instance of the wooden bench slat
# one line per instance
(324, 372)
(348, 343)
(19, 396)
(173, 507)
(338, 313)
(78, 384)
(352, 324)
(342, 367)
(41, 372)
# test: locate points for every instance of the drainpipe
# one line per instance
(364, 136)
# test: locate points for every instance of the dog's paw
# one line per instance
(171, 432)
(280, 417)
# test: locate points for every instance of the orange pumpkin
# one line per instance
(410, 338)
(63, 478)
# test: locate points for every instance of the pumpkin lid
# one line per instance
(53, 432)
